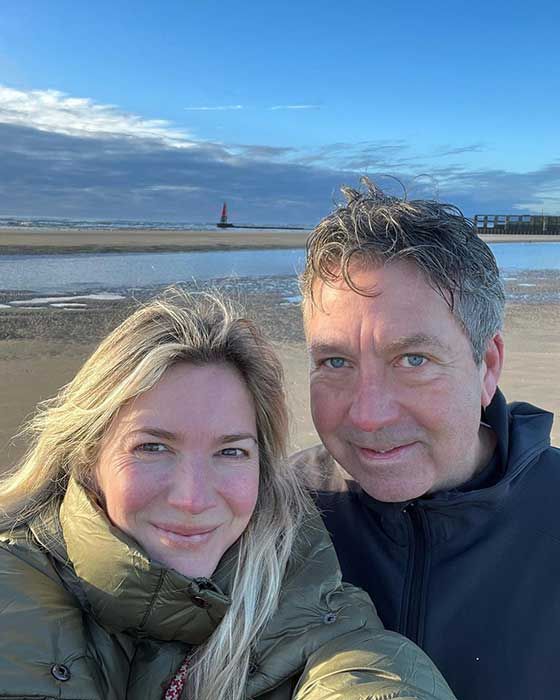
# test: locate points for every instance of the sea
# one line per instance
(100, 224)
(127, 224)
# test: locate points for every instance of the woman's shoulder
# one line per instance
(314, 569)
(19, 551)
(42, 642)
(327, 633)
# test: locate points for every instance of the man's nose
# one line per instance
(192, 488)
(375, 403)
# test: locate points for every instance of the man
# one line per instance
(447, 513)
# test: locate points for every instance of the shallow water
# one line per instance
(111, 271)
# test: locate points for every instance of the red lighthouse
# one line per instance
(223, 223)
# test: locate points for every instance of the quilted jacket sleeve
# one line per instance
(366, 665)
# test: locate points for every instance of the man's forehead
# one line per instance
(403, 307)
(399, 280)
(323, 293)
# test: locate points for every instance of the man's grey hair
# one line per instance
(374, 228)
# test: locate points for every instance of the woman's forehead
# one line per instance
(189, 396)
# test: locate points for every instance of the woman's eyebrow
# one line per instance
(235, 437)
(162, 433)
(156, 432)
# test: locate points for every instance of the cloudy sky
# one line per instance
(133, 110)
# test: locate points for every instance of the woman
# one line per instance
(156, 545)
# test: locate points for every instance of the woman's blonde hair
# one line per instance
(69, 429)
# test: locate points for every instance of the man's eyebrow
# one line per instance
(323, 347)
(419, 340)
(398, 345)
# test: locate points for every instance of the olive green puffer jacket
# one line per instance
(85, 615)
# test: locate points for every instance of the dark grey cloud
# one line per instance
(267, 152)
(360, 155)
(130, 177)
(501, 192)
(459, 150)
(46, 174)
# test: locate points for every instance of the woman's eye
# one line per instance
(233, 452)
(413, 360)
(335, 362)
(151, 447)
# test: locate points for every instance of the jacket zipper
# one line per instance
(412, 618)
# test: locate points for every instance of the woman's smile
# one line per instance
(185, 536)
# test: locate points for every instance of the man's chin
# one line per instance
(392, 486)
(388, 493)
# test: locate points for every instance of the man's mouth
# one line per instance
(385, 453)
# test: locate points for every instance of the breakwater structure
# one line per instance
(224, 223)
(521, 224)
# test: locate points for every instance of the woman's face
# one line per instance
(179, 467)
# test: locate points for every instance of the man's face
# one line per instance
(395, 391)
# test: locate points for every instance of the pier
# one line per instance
(516, 224)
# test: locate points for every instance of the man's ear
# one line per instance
(491, 368)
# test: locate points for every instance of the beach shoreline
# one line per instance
(45, 241)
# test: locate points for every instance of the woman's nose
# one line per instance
(192, 488)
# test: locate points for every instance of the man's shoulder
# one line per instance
(320, 472)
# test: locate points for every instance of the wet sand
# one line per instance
(56, 241)
(41, 349)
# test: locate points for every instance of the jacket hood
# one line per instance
(523, 432)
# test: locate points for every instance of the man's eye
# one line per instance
(413, 360)
(151, 447)
(335, 362)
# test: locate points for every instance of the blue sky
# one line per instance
(134, 110)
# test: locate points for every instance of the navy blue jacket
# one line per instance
(472, 575)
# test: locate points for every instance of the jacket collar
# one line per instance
(523, 431)
(122, 587)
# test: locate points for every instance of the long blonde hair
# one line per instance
(68, 431)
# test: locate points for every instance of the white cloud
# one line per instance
(273, 109)
(55, 112)
(220, 108)
(171, 188)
